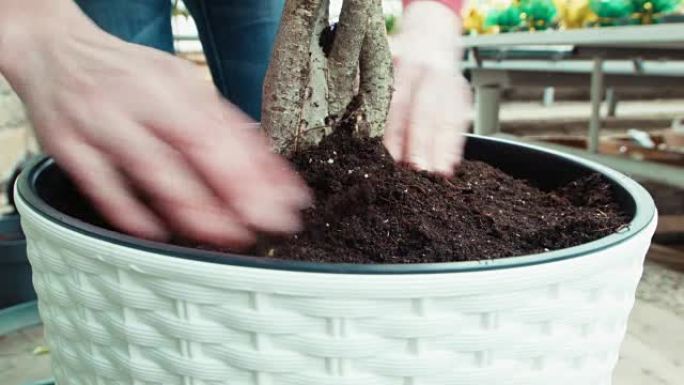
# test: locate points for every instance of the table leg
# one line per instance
(596, 99)
(611, 101)
(487, 103)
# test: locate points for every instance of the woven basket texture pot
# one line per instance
(123, 311)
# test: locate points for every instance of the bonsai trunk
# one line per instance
(320, 76)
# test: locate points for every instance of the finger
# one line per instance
(213, 226)
(447, 149)
(281, 175)
(450, 124)
(399, 112)
(106, 188)
(424, 110)
(258, 199)
(231, 157)
(275, 169)
(171, 185)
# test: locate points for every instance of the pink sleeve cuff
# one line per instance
(455, 5)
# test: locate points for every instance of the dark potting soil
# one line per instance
(370, 210)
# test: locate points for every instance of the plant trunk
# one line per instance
(343, 62)
(376, 74)
(306, 93)
(312, 126)
(287, 78)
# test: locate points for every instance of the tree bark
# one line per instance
(288, 75)
(343, 61)
(313, 126)
(376, 74)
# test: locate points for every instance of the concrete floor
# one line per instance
(653, 351)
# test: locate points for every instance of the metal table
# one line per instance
(629, 56)
(594, 46)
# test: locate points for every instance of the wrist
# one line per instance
(432, 22)
(30, 25)
(430, 36)
(430, 15)
(11, 20)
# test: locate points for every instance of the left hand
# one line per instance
(431, 104)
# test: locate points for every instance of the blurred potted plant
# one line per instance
(15, 271)
(675, 16)
(538, 15)
(574, 13)
(612, 12)
(509, 19)
(650, 11)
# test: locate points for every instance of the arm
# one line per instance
(430, 106)
(21, 21)
(454, 5)
(126, 122)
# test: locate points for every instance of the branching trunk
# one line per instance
(306, 93)
(285, 85)
(376, 73)
(312, 125)
(343, 62)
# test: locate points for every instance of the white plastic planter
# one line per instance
(118, 310)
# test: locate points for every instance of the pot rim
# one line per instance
(644, 214)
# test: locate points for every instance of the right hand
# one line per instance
(150, 142)
(428, 114)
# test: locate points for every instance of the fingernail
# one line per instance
(446, 166)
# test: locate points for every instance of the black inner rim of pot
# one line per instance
(544, 168)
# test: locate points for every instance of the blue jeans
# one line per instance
(237, 37)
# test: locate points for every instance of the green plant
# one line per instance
(610, 10)
(507, 19)
(655, 6)
(538, 14)
(646, 10)
(391, 23)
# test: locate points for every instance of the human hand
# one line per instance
(430, 106)
(150, 142)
